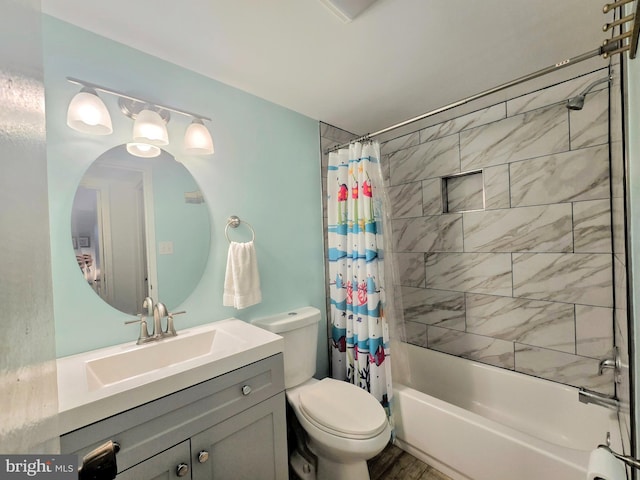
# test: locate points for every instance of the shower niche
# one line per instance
(463, 192)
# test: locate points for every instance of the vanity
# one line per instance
(208, 403)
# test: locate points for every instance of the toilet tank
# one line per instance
(299, 328)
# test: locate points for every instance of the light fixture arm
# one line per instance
(135, 99)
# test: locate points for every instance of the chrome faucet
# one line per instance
(159, 312)
(606, 363)
(613, 363)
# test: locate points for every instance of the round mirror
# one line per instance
(140, 227)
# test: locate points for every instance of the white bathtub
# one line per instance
(478, 422)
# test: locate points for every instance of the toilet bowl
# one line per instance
(345, 426)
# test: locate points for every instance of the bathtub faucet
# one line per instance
(606, 363)
(589, 396)
(613, 363)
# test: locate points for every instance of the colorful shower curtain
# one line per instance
(360, 333)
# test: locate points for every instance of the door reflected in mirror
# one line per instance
(139, 227)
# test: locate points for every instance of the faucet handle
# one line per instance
(171, 331)
(137, 320)
(144, 332)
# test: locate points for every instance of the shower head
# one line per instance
(577, 102)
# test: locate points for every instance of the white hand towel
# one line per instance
(241, 281)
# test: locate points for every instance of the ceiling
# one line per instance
(396, 60)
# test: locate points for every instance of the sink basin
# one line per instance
(156, 355)
(97, 384)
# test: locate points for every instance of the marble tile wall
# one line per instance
(527, 283)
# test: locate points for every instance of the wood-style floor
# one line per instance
(395, 464)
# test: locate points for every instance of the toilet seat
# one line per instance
(342, 409)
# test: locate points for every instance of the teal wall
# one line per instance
(265, 170)
(186, 226)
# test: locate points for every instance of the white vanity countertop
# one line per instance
(104, 382)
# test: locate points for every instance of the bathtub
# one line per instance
(477, 422)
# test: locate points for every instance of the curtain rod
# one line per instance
(606, 50)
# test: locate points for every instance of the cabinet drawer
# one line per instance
(145, 430)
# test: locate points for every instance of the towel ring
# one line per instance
(233, 222)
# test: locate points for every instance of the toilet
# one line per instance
(345, 426)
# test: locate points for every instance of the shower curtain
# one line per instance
(360, 332)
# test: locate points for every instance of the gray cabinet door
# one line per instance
(163, 466)
(249, 446)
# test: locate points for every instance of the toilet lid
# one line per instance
(342, 409)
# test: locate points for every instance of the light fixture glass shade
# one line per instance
(150, 128)
(143, 150)
(197, 139)
(87, 113)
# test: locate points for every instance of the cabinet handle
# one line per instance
(203, 456)
(182, 469)
(246, 389)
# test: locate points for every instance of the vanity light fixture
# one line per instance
(197, 139)
(150, 122)
(143, 150)
(149, 127)
(87, 113)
